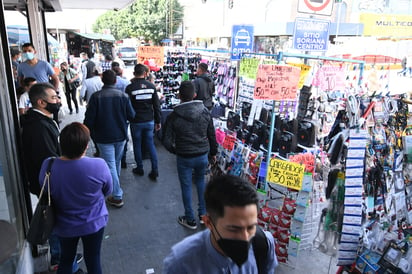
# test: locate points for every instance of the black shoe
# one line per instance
(153, 175)
(80, 271)
(77, 110)
(124, 165)
(71, 112)
(138, 171)
(186, 223)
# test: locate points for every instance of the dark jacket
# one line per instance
(205, 90)
(189, 130)
(107, 114)
(144, 100)
(40, 137)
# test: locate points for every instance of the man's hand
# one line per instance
(212, 159)
(158, 127)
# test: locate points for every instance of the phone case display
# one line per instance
(226, 84)
(353, 138)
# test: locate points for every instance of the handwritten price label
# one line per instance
(276, 82)
(229, 142)
(154, 53)
(285, 173)
(248, 67)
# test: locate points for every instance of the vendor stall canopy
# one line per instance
(59, 5)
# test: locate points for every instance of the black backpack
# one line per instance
(260, 249)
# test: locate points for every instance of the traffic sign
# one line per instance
(311, 34)
(242, 41)
(320, 7)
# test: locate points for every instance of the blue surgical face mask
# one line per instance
(28, 55)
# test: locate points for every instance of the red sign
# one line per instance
(317, 8)
(320, 7)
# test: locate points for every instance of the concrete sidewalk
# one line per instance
(139, 235)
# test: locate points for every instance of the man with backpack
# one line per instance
(233, 242)
(204, 86)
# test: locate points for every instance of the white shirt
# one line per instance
(90, 86)
(24, 101)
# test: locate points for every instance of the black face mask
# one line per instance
(53, 107)
(237, 250)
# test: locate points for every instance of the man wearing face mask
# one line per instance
(229, 245)
(35, 68)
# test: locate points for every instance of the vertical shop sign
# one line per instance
(311, 34)
(286, 173)
(276, 82)
(248, 67)
(154, 53)
(242, 41)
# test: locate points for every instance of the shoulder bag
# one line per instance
(43, 220)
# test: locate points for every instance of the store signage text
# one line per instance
(286, 173)
(276, 82)
(311, 34)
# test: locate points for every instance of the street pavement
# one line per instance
(140, 234)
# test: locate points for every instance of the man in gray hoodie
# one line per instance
(189, 133)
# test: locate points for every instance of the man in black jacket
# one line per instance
(146, 103)
(189, 133)
(40, 132)
(204, 86)
(106, 116)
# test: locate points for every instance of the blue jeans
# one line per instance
(112, 154)
(143, 132)
(185, 166)
(91, 250)
(55, 252)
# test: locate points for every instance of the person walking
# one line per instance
(106, 64)
(146, 103)
(232, 242)
(40, 70)
(24, 99)
(189, 133)
(69, 78)
(106, 116)
(79, 185)
(204, 86)
(121, 84)
(35, 68)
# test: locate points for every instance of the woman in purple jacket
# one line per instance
(78, 186)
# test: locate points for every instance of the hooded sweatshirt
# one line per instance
(189, 130)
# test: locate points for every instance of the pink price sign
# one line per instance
(276, 82)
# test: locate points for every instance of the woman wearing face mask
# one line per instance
(69, 78)
(228, 245)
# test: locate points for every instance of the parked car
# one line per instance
(127, 54)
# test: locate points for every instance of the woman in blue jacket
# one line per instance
(78, 186)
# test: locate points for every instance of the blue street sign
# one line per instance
(311, 34)
(242, 41)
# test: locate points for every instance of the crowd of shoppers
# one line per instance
(81, 185)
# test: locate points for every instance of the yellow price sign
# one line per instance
(285, 173)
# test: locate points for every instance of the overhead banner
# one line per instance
(386, 25)
(276, 82)
(285, 173)
(248, 67)
(154, 53)
(311, 34)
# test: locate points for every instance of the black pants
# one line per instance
(71, 95)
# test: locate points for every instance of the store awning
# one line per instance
(97, 36)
